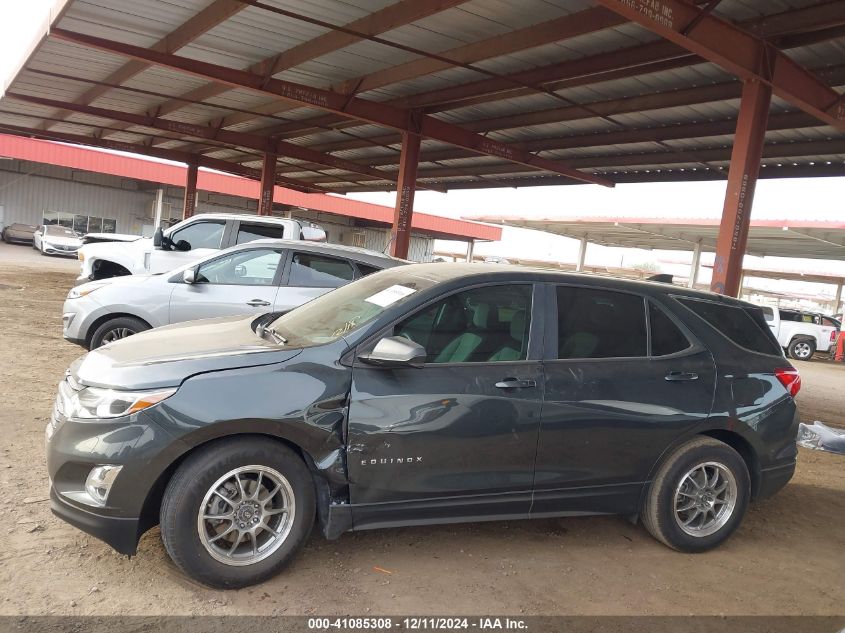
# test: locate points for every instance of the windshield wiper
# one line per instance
(261, 330)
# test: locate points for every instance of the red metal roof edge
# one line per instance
(796, 224)
(76, 157)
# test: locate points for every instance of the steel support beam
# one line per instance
(237, 139)
(695, 265)
(203, 21)
(582, 254)
(190, 201)
(156, 152)
(838, 301)
(742, 179)
(352, 107)
(400, 234)
(470, 251)
(737, 51)
(268, 184)
(386, 19)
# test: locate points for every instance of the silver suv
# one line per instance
(257, 277)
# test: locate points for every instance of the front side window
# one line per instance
(252, 232)
(666, 337)
(198, 235)
(242, 268)
(487, 324)
(319, 271)
(594, 323)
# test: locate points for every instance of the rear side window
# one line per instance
(768, 314)
(365, 270)
(666, 337)
(600, 324)
(737, 324)
(252, 232)
(319, 271)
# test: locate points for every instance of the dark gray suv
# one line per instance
(424, 394)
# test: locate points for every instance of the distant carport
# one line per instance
(343, 96)
(780, 238)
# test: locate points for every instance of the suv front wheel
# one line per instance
(237, 511)
(699, 496)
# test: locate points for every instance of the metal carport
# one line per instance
(334, 96)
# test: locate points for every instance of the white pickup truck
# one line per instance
(801, 334)
(184, 242)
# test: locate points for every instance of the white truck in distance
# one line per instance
(801, 334)
(184, 242)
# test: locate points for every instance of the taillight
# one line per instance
(790, 379)
(833, 336)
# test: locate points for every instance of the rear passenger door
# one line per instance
(309, 275)
(623, 379)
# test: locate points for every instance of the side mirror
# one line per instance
(312, 234)
(395, 351)
(157, 237)
(190, 276)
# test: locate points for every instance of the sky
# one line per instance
(787, 199)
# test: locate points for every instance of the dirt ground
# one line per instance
(787, 558)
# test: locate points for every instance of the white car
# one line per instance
(801, 334)
(53, 239)
(255, 278)
(185, 242)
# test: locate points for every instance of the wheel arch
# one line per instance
(89, 333)
(151, 508)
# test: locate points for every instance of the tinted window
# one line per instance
(744, 329)
(200, 235)
(252, 232)
(488, 324)
(366, 270)
(666, 337)
(599, 324)
(768, 314)
(319, 271)
(243, 268)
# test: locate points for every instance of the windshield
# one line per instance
(341, 311)
(58, 231)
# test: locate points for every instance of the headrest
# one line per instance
(480, 314)
(518, 325)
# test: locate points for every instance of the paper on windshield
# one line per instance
(389, 296)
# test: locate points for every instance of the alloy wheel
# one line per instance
(116, 334)
(246, 515)
(705, 499)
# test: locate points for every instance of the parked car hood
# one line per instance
(61, 240)
(166, 356)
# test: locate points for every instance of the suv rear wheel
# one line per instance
(236, 512)
(699, 496)
(802, 349)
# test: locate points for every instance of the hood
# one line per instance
(166, 356)
(142, 244)
(62, 240)
(112, 237)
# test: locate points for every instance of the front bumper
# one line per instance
(74, 448)
(121, 533)
(51, 250)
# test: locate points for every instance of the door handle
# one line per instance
(256, 303)
(681, 376)
(513, 383)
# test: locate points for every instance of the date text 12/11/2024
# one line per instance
(417, 623)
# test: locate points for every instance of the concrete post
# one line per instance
(696, 264)
(471, 250)
(582, 255)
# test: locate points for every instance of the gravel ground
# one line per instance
(787, 558)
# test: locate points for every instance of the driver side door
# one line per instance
(240, 282)
(456, 438)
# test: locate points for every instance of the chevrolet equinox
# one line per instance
(429, 393)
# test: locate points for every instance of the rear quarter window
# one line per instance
(746, 327)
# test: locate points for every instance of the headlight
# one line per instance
(84, 289)
(96, 403)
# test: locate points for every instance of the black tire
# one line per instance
(659, 509)
(185, 497)
(108, 331)
(801, 348)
